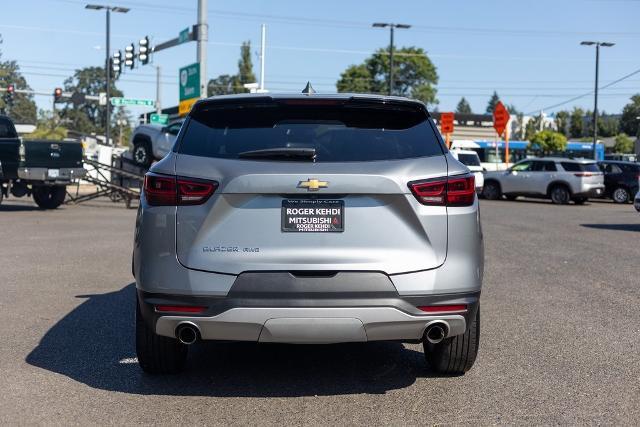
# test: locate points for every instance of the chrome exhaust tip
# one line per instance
(187, 333)
(436, 332)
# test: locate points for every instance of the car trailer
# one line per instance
(124, 185)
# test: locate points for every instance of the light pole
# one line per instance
(107, 65)
(595, 102)
(391, 28)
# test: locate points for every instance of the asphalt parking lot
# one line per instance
(560, 338)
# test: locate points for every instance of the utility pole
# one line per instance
(107, 64)
(263, 43)
(158, 104)
(391, 28)
(595, 100)
(203, 38)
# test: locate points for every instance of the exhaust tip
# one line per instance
(187, 333)
(436, 332)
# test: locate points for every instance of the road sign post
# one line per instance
(446, 126)
(501, 118)
(189, 84)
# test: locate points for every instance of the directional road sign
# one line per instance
(159, 119)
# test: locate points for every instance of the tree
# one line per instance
(414, 75)
(47, 127)
(629, 122)
(22, 109)
(548, 141)
(493, 101)
(562, 122)
(576, 126)
(463, 107)
(533, 126)
(623, 144)
(226, 84)
(88, 117)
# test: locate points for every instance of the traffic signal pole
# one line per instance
(107, 67)
(203, 38)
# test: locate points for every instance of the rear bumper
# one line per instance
(62, 175)
(590, 191)
(302, 320)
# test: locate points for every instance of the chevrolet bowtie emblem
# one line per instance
(313, 184)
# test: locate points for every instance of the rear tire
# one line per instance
(580, 200)
(491, 190)
(621, 195)
(49, 197)
(560, 195)
(157, 354)
(455, 355)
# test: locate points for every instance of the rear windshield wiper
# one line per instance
(286, 153)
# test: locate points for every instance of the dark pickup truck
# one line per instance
(37, 168)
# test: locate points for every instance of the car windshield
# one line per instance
(337, 133)
(469, 159)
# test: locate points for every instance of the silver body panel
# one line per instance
(423, 250)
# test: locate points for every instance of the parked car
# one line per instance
(151, 142)
(470, 159)
(559, 179)
(38, 168)
(308, 219)
(620, 180)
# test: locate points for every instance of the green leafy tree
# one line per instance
(493, 101)
(576, 125)
(22, 109)
(629, 122)
(623, 144)
(562, 122)
(463, 107)
(414, 75)
(534, 125)
(47, 127)
(226, 84)
(548, 141)
(88, 117)
(608, 125)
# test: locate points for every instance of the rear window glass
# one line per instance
(338, 133)
(469, 159)
(580, 167)
(6, 129)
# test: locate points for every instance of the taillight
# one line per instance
(180, 309)
(451, 191)
(166, 190)
(583, 174)
(440, 309)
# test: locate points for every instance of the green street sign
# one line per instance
(183, 36)
(189, 77)
(117, 102)
(159, 119)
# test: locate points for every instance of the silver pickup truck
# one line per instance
(152, 142)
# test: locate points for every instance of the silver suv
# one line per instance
(308, 219)
(559, 179)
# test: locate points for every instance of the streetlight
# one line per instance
(107, 65)
(595, 103)
(391, 28)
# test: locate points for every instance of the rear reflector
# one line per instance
(438, 309)
(180, 309)
(447, 191)
(167, 190)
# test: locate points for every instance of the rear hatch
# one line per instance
(310, 185)
(52, 154)
(589, 173)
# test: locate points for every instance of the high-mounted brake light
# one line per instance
(440, 309)
(167, 190)
(447, 191)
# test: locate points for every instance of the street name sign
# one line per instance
(118, 101)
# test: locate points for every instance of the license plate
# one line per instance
(312, 215)
(53, 173)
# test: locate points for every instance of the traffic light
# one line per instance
(57, 94)
(8, 95)
(144, 50)
(129, 56)
(116, 64)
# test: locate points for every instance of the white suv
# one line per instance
(471, 160)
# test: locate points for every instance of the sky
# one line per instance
(529, 51)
